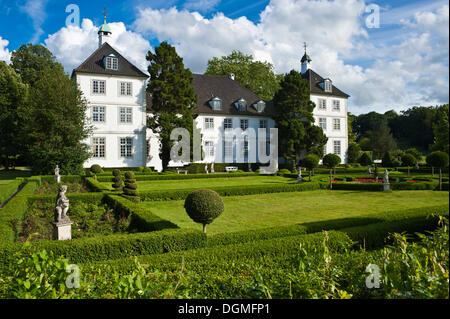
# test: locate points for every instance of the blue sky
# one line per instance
(401, 63)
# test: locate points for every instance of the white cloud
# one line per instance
(410, 69)
(72, 45)
(35, 9)
(5, 55)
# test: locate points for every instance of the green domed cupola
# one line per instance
(104, 32)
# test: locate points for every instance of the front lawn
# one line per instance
(278, 209)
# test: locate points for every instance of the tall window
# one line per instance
(126, 147)
(262, 123)
(209, 148)
(245, 147)
(322, 104)
(323, 123)
(209, 123)
(228, 124)
(328, 87)
(244, 124)
(98, 147)
(336, 105)
(98, 86)
(228, 149)
(126, 115)
(337, 124)
(125, 88)
(112, 63)
(98, 114)
(337, 147)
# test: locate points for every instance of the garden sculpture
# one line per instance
(57, 176)
(386, 177)
(62, 205)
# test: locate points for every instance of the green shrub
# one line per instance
(203, 206)
(96, 169)
(95, 185)
(365, 159)
(283, 171)
(130, 190)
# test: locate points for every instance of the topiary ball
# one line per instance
(96, 169)
(203, 206)
(129, 175)
(116, 172)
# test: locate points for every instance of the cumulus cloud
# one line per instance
(72, 45)
(35, 9)
(5, 55)
(409, 71)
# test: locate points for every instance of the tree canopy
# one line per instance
(258, 77)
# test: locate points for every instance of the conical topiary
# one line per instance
(130, 190)
(118, 182)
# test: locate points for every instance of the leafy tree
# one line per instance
(387, 160)
(56, 124)
(31, 59)
(256, 76)
(364, 143)
(381, 139)
(440, 130)
(173, 97)
(365, 123)
(438, 159)
(331, 161)
(13, 102)
(353, 152)
(415, 153)
(365, 159)
(408, 160)
(203, 206)
(297, 134)
(310, 161)
(351, 134)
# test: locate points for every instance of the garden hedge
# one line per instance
(230, 191)
(6, 190)
(157, 177)
(91, 249)
(95, 185)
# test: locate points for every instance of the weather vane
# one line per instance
(304, 44)
(105, 13)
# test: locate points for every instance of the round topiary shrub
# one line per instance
(284, 171)
(118, 182)
(203, 206)
(96, 169)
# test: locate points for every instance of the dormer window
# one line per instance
(260, 106)
(216, 103)
(241, 105)
(111, 62)
(327, 85)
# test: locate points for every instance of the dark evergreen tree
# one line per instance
(297, 134)
(173, 97)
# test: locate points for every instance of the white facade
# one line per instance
(330, 113)
(115, 117)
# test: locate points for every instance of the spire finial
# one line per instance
(105, 13)
(304, 45)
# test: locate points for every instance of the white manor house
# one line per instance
(118, 107)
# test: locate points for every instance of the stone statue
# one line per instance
(62, 206)
(57, 176)
(299, 177)
(206, 168)
(417, 165)
(212, 167)
(386, 177)
(369, 170)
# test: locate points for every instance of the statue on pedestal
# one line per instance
(369, 170)
(206, 168)
(299, 177)
(62, 206)
(212, 167)
(386, 184)
(57, 176)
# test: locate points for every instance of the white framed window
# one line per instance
(322, 104)
(216, 103)
(126, 147)
(244, 124)
(209, 148)
(327, 84)
(260, 106)
(336, 105)
(209, 123)
(98, 86)
(98, 147)
(111, 63)
(228, 124)
(337, 124)
(126, 115)
(262, 123)
(245, 147)
(337, 147)
(98, 114)
(323, 123)
(242, 105)
(125, 89)
(228, 149)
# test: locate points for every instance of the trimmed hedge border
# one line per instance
(95, 186)
(156, 177)
(7, 190)
(115, 246)
(231, 191)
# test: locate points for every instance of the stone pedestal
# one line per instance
(62, 230)
(386, 187)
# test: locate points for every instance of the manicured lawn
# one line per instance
(270, 210)
(208, 182)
